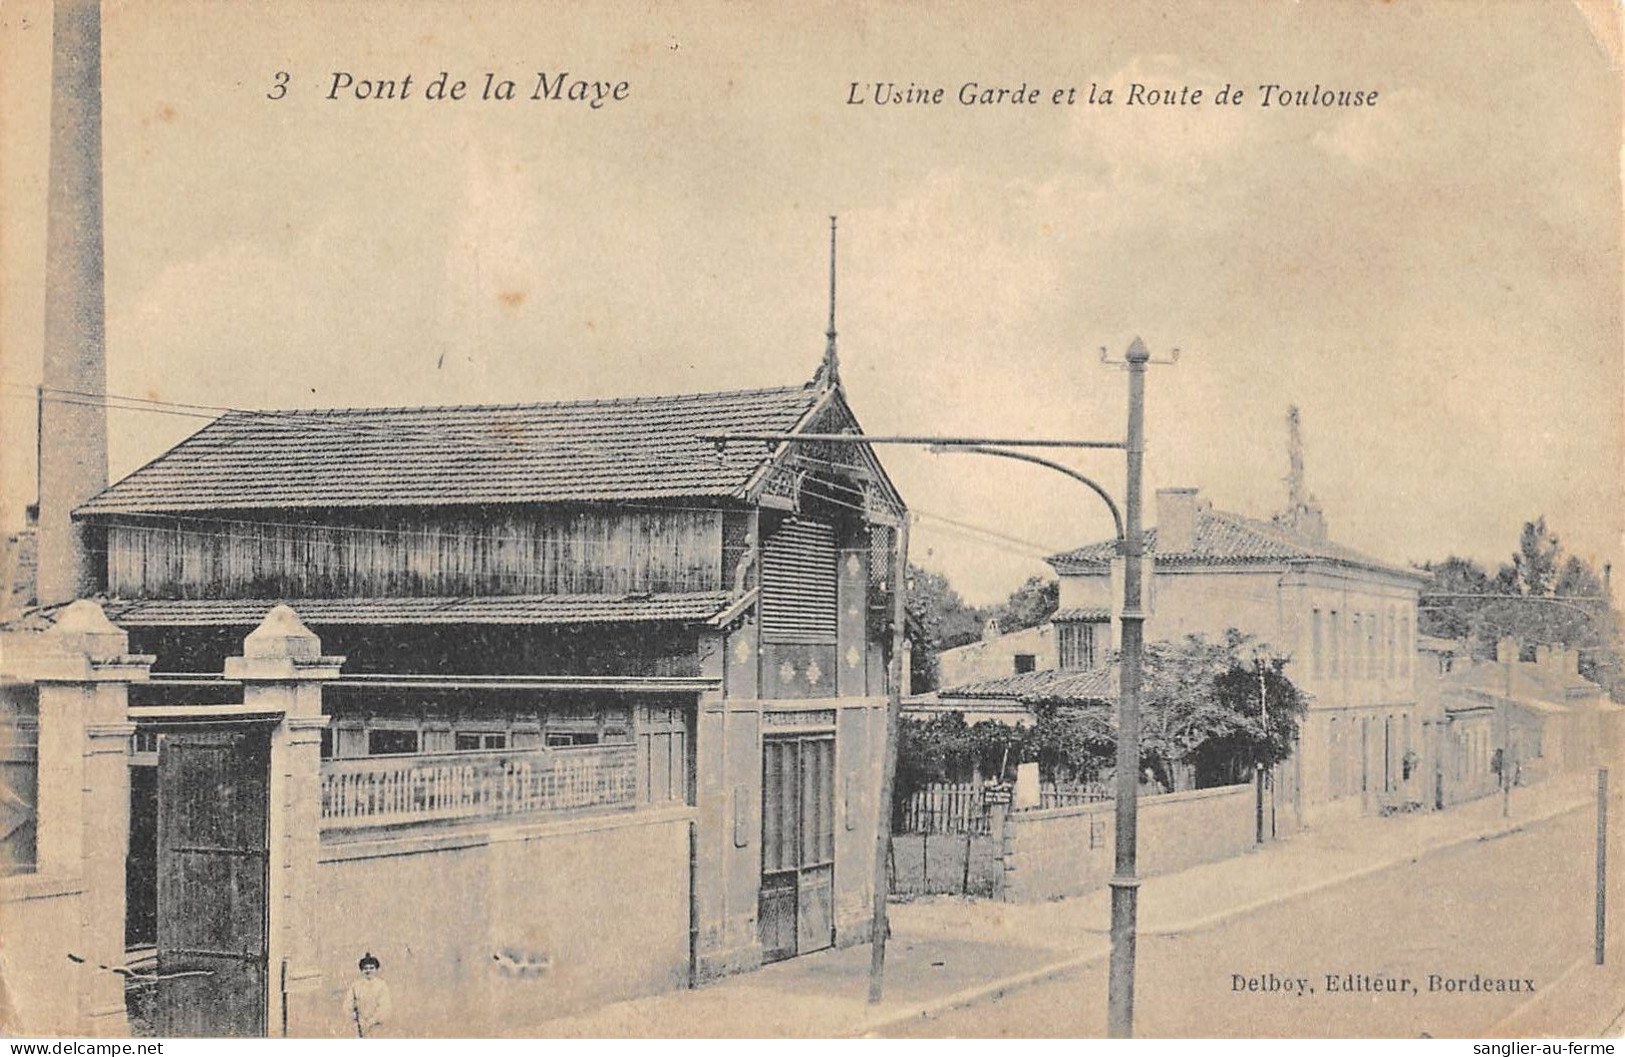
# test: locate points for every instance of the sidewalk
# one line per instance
(948, 952)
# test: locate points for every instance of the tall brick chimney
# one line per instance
(73, 436)
(1176, 520)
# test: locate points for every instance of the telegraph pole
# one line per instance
(888, 766)
(1124, 884)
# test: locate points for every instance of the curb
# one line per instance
(972, 995)
(1221, 916)
(995, 988)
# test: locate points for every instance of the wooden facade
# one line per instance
(385, 552)
(463, 620)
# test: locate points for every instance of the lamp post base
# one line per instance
(1120, 986)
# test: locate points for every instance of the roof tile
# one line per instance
(1048, 686)
(1223, 538)
(644, 448)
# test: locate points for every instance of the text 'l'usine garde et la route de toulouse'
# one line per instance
(980, 94)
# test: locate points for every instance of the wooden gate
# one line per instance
(213, 791)
(797, 910)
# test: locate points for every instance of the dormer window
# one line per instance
(1076, 645)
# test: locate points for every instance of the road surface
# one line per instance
(1444, 946)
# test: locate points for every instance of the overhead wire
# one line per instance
(320, 420)
(327, 420)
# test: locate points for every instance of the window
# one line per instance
(1390, 663)
(386, 742)
(1335, 769)
(481, 741)
(1026, 662)
(663, 754)
(798, 600)
(1314, 635)
(1371, 669)
(1076, 645)
(1405, 647)
(1356, 644)
(1332, 662)
(584, 722)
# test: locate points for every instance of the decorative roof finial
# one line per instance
(1296, 494)
(1303, 513)
(831, 369)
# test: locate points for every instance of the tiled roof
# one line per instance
(1223, 538)
(1089, 615)
(489, 609)
(1530, 682)
(1060, 687)
(18, 564)
(645, 448)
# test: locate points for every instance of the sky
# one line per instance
(1434, 280)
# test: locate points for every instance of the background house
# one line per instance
(1534, 717)
(1346, 620)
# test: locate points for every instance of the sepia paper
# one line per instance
(1402, 218)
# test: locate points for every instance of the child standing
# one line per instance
(369, 1005)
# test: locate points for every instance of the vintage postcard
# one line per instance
(845, 519)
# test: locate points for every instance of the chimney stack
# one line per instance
(1312, 524)
(1177, 509)
(73, 436)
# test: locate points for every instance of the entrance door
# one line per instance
(797, 910)
(213, 786)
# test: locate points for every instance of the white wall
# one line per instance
(995, 658)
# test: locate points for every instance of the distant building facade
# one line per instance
(998, 653)
(1532, 718)
(1346, 620)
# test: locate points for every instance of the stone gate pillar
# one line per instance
(83, 674)
(282, 670)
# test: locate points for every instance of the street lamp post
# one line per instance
(1125, 885)
(1131, 544)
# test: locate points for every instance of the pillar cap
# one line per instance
(83, 627)
(282, 635)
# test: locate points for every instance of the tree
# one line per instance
(1443, 614)
(1548, 597)
(1072, 742)
(941, 620)
(1029, 605)
(946, 749)
(1222, 708)
(1534, 566)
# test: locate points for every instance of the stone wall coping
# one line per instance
(419, 840)
(21, 887)
(1159, 800)
(273, 669)
(69, 666)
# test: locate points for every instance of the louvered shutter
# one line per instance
(798, 584)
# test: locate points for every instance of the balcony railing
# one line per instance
(465, 786)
